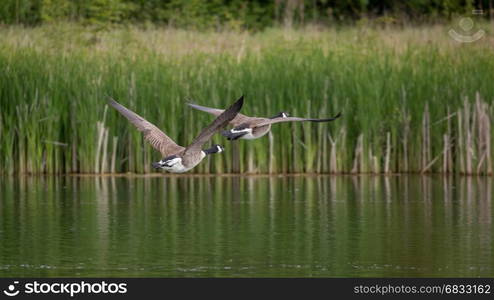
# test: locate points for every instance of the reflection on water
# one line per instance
(324, 226)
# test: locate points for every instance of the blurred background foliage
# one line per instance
(254, 14)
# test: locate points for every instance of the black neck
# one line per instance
(211, 150)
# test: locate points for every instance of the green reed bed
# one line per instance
(413, 100)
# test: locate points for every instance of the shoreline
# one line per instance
(171, 175)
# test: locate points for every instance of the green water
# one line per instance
(312, 226)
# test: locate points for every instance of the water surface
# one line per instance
(298, 226)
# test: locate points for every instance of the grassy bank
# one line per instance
(413, 100)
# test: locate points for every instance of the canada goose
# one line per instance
(250, 128)
(178, 159)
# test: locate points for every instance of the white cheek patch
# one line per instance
(283, 115)
(219, 149)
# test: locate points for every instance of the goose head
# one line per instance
(214, 149)
(281, 114)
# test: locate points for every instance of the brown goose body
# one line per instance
(178, 159)
(250, 128)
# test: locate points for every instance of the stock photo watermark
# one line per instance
(466, 31)
(68, 288)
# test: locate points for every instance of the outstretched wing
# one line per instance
(157, 138)
(239, 118)
(294, 119)
(221, 121)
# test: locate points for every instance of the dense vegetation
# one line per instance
(413, 100)
(254, 14)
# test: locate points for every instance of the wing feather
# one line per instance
(294, 119)
(221, 121)
(239, 118)
(152, 134)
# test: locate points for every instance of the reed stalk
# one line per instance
(408, 105)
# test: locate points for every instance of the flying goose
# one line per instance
(250, 128)
(178, 159)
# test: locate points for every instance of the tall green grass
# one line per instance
(413, 100)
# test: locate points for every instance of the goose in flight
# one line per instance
(250, 128)
(178, 159)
